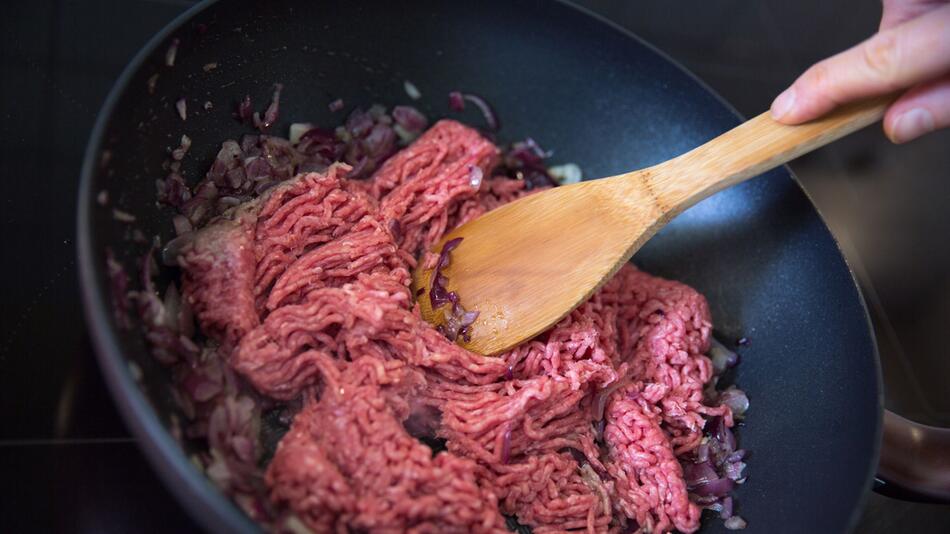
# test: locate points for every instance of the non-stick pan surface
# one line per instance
(595, 95)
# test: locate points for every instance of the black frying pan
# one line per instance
(759, 251)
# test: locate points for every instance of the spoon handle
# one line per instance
(753, 147)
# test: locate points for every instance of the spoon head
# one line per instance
(527, 264)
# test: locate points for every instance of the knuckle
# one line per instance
(820, 79)
(880, 56)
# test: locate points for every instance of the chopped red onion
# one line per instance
(273, 110)
(528, 152)
(506, 446)
(119, 289)
(599, 402)
(736, 400)
(298, 129)
(719, 487)
(736, 456)
(475, 175)
(172, 52)
(250, 145)
(716, 466)
(395, 229)
(359, 123)
(578, 455)
(722, 357)
(182, 224)
(726, 511)
(735, 523)
(208, 67)
(599, 428)
(256, 168)
(245, 109)
(438, 295)
(487, 111)
(568, 173)
(151, 82)
(632, 526)
(381, 142)
(322, 143)
(162, 324)
(524, 160)
(172, 190)
(336, 105)
(716, 426)
(457, 320)
(411, 90)
(456, 101)
(468, 318)
(173, 248)
(733, 470)
(378, 113)
(182, 108)
(172, 307)
(707, 501)
(410, 118)
(135, 371)
(122, 216)
(102, 198)
(698, 474)
(200, 387)
(702, 453)
(179, 153)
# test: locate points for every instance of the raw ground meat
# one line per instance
(306, 290)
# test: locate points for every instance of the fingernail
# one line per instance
(912, 124)
(783, 104)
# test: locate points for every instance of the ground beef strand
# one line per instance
(583, 428)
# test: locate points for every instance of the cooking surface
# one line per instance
(71, 464)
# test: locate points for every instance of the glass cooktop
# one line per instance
(69, 463)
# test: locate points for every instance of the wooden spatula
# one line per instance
(526, 265)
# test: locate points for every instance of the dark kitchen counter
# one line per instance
(69, 463)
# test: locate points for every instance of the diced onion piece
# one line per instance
(568, 173)
(297, 130)
(411, 90)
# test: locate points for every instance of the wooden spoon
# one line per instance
(527, 264)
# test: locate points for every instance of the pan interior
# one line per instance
(595, 96)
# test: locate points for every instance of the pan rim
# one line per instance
(206, 503)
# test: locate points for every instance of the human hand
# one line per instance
(910, 54)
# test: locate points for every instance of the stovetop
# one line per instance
(69, 463)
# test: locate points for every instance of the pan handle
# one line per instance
(915, 459)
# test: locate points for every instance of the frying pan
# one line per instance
(759, 251)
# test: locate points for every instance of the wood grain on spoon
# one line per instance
(527, 264)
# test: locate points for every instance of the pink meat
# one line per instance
(299, 216)
(348, 464)
(577, 430)
(423, 185)
(220, 261)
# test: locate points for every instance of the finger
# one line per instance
(894, 59)
(921, 110)
(898, 11)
